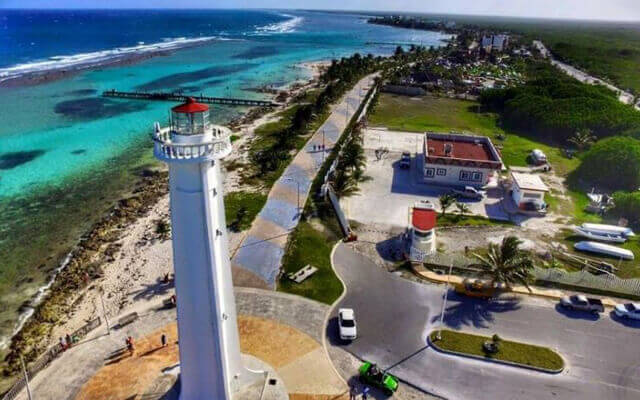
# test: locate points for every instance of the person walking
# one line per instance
(68, 340)
(365, 393)
(353, 392)
(163, 340)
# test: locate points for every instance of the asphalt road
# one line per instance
(395, 315)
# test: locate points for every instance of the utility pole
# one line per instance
(26, 378)
(104, 314)
(444, 302)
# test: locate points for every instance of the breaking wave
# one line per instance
(287, 26)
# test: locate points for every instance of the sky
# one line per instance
(627, 10)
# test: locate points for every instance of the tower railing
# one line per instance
(218, 146)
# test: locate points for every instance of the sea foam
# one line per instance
(287, 26)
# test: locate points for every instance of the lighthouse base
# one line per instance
(268, 387)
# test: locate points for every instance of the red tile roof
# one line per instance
(423, 220)
(460, 150)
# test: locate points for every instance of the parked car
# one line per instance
(405, 160)
(374, 376)
(476, 288)
(628, 310)
(468, 192)
(582, 303)
(347, 324)
(538, 157)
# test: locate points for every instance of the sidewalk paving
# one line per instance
(261, 251)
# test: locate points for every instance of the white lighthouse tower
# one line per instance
(210, 364)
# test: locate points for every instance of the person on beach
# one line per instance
(163, 340)
(63, 344)
(68, 340)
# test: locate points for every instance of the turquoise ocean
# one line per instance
(67, 155)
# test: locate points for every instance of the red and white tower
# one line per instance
(210, 364)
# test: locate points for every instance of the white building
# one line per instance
(462, 160)
(528, 191)
(210, 362)
(422, 231)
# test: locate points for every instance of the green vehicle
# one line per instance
(374, 376)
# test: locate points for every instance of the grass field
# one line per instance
(240, 208)
(520, 353)
(452, 218)
(310, 246)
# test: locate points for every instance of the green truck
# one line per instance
(370, 374)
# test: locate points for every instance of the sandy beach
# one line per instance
(132, 279)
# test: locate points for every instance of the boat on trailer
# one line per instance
(607, 249)
(608, 229)
(602, 237)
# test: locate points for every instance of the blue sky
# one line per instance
(575, 9)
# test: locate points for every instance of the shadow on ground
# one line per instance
(476, 313)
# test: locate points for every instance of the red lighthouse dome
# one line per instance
(190, 106)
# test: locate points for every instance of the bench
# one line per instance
(302, 274)
(127, 319)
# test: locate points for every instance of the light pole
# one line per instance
(444, 302)
(298, 186)
(26, 378)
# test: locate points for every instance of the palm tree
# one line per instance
(344, 184)
(462, 208)
(446, 201)
(506, 263)
(583, 139)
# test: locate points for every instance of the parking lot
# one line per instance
(387, 196)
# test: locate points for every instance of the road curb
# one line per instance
(492, 360)
(332, 307)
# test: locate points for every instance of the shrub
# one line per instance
(627, 205)
(613, 163)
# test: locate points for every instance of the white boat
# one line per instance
(610, 229)
(603, 237)
(601, 248)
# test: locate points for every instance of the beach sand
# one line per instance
(131, 282)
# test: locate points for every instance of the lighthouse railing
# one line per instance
(218, 146)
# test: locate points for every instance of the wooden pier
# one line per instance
(179, 97)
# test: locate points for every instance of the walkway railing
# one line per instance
(46, 358)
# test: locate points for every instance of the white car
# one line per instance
(628, 310)
(347, 324)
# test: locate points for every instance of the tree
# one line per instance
(627, 205)
(507, 263)
(446, 201)
(583, 139)
(344, 184)
(612, 163)
(462, 208)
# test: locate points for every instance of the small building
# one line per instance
(528, 191)
(422, 231)
(456, 159)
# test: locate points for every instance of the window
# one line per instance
(532, 195)
(429, 172)
(425, 235)
(470, 176)
(441, 171)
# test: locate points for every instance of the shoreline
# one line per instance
(122, 253)
(36, 77)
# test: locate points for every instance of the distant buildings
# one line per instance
(494, 42)
(455, 159)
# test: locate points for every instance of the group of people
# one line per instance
(353, 392)
(67, 341)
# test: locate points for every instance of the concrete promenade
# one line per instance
(261, 251)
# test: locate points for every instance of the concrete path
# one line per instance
(395, 315)
(276, 321)
(261, 251)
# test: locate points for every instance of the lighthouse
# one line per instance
(210, 361)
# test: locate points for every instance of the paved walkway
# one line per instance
(260, 253)
(284, 330)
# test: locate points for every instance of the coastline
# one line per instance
(122, 257)
(104, 59)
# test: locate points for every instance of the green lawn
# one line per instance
(240, 208)
(452, 218)
(520, 353)
(309, 246)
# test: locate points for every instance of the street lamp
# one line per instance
(444, 303)
(298, 185)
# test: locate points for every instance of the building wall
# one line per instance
(451, 174)
(520, 195)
